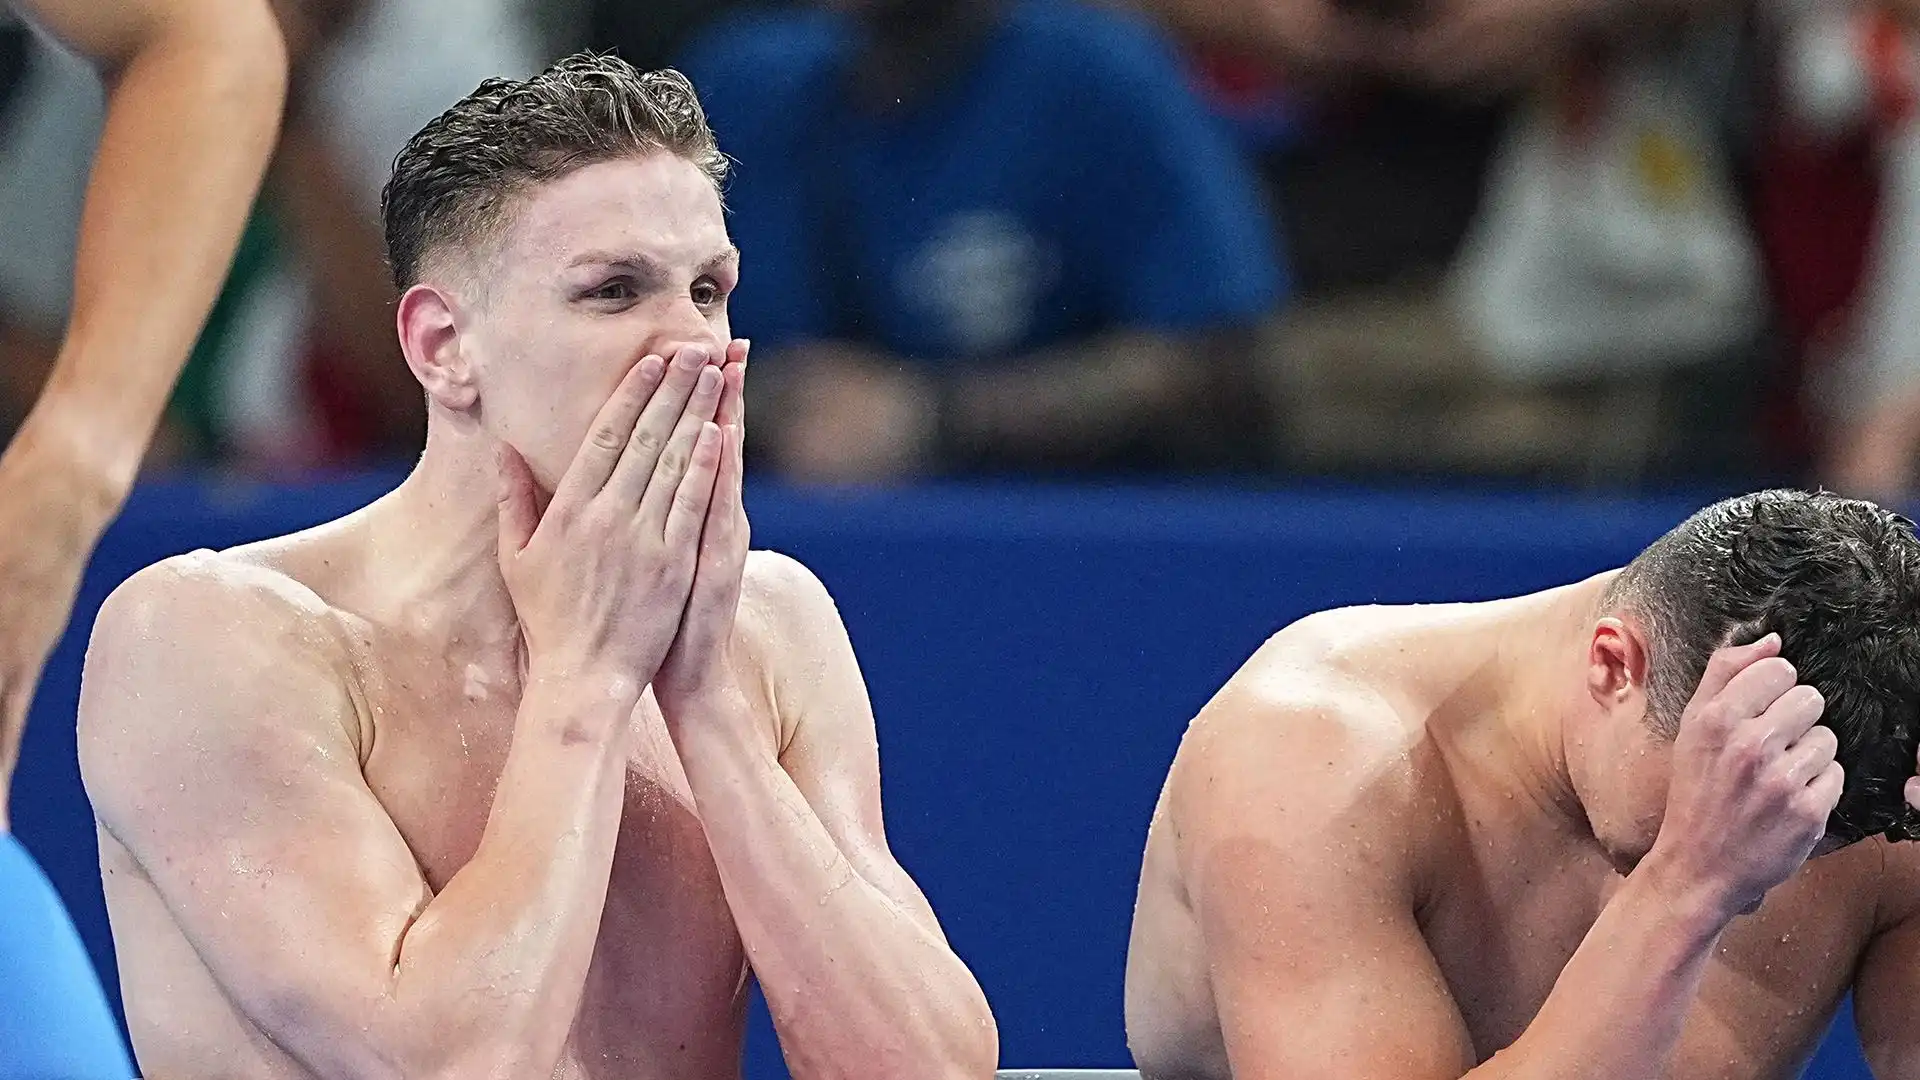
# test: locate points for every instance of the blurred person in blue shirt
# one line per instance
(986, 235)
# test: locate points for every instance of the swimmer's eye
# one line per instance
(616, 290)
(707, 292)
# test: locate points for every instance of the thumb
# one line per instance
(518, 514)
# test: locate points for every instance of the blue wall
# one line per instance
(1033, 657)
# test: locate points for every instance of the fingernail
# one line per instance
(650, 367)
(690, 359)
(709, 379)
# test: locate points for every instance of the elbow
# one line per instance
(400, 1047)
(966, 1046)
(965, 1036)
(235, 48)
(243, 50)
(976, 1052)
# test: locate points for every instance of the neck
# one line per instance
(436, 541)
(1541, 666)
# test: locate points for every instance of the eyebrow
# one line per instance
(646, 267)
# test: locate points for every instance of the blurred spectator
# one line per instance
(985, 235)
(300, 366)
(1519, 245)
(1845, 145)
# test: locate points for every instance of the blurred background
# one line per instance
(1144, 325)
(1617, 245)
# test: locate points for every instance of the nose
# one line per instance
(688, 327)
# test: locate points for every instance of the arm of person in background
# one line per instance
(858, 977)
(195, 90)
(852, 413)
(1319, 964)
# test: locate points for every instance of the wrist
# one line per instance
(585, 679)
(67, 433)
(1681, 898)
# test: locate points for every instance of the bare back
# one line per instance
(377, 801)
(1337, 884)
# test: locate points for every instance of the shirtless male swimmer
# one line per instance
(464, 787)
(1516, 838)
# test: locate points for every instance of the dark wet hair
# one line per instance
(1839, 580)
(454, 179)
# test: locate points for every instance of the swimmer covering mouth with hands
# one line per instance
(526, 785)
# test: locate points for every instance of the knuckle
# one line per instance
(646, 441)
(1745, 749)
(607, 437)
(673, 461)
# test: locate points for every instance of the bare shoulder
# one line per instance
(1302, 745)
(786, 613)
(226, 601)
(778, 586)
(192, 648)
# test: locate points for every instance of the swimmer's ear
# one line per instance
(430, 340)
(1616, 664)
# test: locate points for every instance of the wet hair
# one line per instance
(1839, 580)
(455, 179)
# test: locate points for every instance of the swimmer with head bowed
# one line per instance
(526, 768)
(1639, 826)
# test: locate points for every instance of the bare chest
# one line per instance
(1505, 925)
(666, 992)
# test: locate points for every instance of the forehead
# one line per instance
(660, 205)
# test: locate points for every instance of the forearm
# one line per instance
(1617, 1010)
(491, 972)
(191, 118)
(1078, 399)
(858, 985)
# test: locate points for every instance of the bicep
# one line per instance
(1318, 964)
(1313, 978)
(228, 775)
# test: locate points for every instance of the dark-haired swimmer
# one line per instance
(1563, 835)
